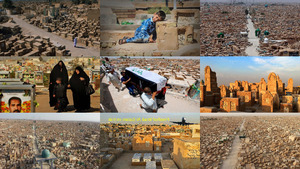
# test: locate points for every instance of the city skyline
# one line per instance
(86, 117)
(250, 1)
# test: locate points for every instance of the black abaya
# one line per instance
(57, 72)
(81, 100)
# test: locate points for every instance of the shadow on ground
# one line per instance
(106, 99)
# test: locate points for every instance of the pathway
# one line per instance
(252, 50)
(33, 30)
(36, 149)
(232, 159)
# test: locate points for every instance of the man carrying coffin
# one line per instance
(149, 100)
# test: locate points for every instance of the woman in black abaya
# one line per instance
(58, 71)
(78, 83)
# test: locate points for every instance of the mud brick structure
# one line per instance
(186, 152)
(167, 33)
(224, 91)
(144, 143)
(246, 97)
(210, 80)
(267, 102)
(202, 94)
(286, 107)
(208, 109)
(287, 99)
(290, 86)
(272, 86)
(230, 104)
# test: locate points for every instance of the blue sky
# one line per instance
(95, 117)
(251, 69)
(164, 118)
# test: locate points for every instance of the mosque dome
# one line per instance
(45, 153)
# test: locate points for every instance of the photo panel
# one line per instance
(150, 28)
(249, 28)
(245, 140)
(162, 140)
(35, 140)
(50, 84)
(60, 28)
(249, 84)
(150, 84)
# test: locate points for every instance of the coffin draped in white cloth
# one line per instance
(142, 74)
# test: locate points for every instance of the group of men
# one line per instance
(152, 100)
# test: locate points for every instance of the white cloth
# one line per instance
(151, 76)
(114, 79)
(148, 102)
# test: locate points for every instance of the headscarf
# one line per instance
(57, 73)
(76, 83)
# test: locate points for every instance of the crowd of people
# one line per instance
(59, 83)
(151, 100)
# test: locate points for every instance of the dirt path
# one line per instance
(42, 97)
(114, 101)
(33, 30)
(131, 49)
(232, 159)
(251, 50)
(35, 144)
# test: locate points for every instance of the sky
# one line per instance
(165, 118)
(255, 1)
(251, 69)
(95, 117)
(155, 57)
(88, 117)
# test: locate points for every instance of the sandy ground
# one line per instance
(114, 101)
(131, 49)
(124, 161)
(149, 49)
(251, 50)
(42, 97)
(33, 30)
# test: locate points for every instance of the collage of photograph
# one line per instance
(249, 84)
(100, 84)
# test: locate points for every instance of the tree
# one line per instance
(8, 4)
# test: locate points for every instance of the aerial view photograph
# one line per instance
(249, 28)
(50, 141)
(247, 141)
(50, 28)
